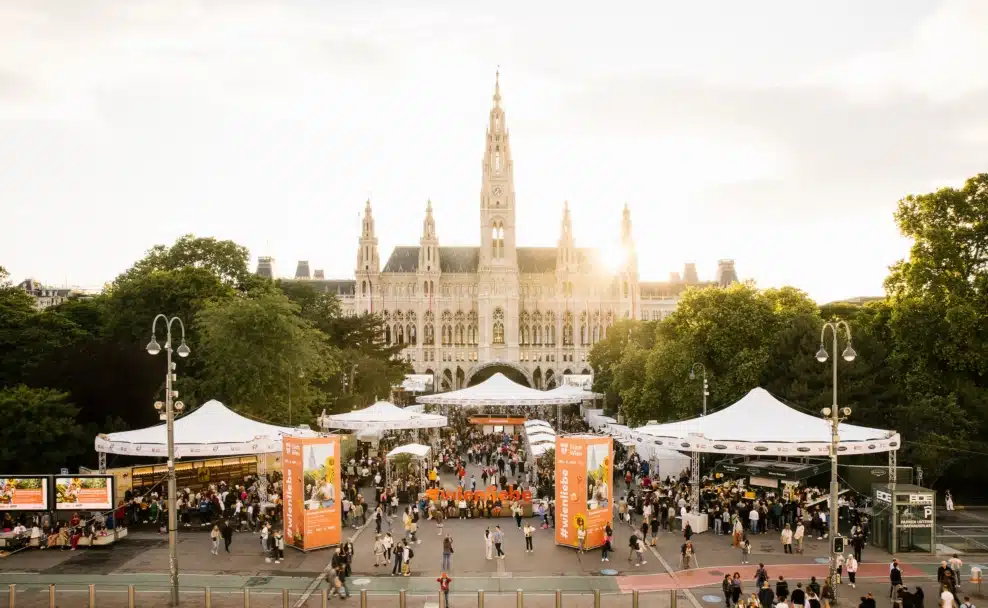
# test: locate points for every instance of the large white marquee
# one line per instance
(382, 416)
(211, 430)
(761, 424)
(500, 390)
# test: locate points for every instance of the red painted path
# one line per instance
(712, 577)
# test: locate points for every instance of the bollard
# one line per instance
(401, 598)
(480, 598)
(559, 598)
(131, 596)
(247, 597)
(51, 596)
(442, 599)
(672, 598)
(12, 596)
(208, 597)
(363, 598)
(634, 598)
(92, 596)
(520, 599)
(324, 594)
(596, 598)
(286, 601)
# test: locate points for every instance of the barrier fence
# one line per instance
(132, 596)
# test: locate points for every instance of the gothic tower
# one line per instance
(368, 264)
(428, 275)
(497, 281)
(628, 273)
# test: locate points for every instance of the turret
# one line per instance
(368, 263)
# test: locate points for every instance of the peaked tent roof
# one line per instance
(414, 449)
(499, 390)
(575, 391)
(760, 423)
(210, 430)
(382, 416)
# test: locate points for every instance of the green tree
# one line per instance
(225, 260)
(249, 347)
(39, 433)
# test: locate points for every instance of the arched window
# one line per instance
(363, 288)
(472, 329)
(568, 329)
(498, 326)
(387, 335)
(400, 333)
(411, 334)
(626, 289)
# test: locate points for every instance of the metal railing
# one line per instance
(114, 596)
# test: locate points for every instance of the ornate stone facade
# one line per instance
(533, 312)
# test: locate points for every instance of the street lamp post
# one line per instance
(834, 415)
(706, 392)
(170, 406)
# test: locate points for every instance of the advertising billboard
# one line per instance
(24, 493)
(84, 492)
(584, 490)
(311, 479)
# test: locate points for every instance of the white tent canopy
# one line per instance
(499, 390)
(413, 449)
(532, 424)
(382, 416)
(597, 420)
(210, 430)
(541, 448)
(761, 424)
(568, 390)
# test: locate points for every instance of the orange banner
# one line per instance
(312, 492)
(497, 421)
(23, 493)
(584, 496)
(511, 494)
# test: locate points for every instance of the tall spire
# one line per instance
(497, 87)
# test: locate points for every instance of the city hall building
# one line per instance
(532, 313)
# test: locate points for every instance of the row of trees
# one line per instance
(922, 365)
(80, 368)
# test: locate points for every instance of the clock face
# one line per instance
(497, 190)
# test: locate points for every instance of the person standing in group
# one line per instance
(639, 551)
(398, 556)
(797, 537)
(498, 539)
(840, 569)
(786, 538)
(447, 554)
(379, 552)
(852, 570)
(528, 530)
(438, 516)
(279, 547)
(607, 547)
(265, 532)
(406, 560)
(389, 542)
(725, 587)
(444, 582)
(214, 536)
(488, 544)
(736, 588)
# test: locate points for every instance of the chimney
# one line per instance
(302, 270)
(726, 273)
(265, 267)
(689, 274)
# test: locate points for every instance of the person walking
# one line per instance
(439, 516)
(852, 570)
(745, 549)
(444, 582)
(736, 588)
(214, 536)
(398, 556)
(379, 552)
(498, 539)
(798, 535)
(581, 538)
(725, 587)
(447, 564)
(488, 544)
(406, 560)
(608, 546)
(529, 530)
(226, 530)
(639, 551)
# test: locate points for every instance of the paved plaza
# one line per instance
(142, 560)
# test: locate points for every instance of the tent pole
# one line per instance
(893, 472)
(102, 462)
(695, 483)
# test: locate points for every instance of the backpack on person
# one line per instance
(411, 553)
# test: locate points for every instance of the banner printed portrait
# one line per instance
(312, 505)
(88, 493)
(599, 477)
(23, 493)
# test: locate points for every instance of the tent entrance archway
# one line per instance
(485, 371)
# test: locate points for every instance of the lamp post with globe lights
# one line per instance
(170, 406)
(834, 415)
(703, 370)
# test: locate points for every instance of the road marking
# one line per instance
(361, 581)
(672, 573)
(316, 581)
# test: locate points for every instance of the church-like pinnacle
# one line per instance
(497, 86)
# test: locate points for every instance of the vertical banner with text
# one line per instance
(311, 480)
(584, 474)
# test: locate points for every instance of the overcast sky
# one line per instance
(780, 134)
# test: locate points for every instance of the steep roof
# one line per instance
(405, 258)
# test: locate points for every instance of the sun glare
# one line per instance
(612, 258)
